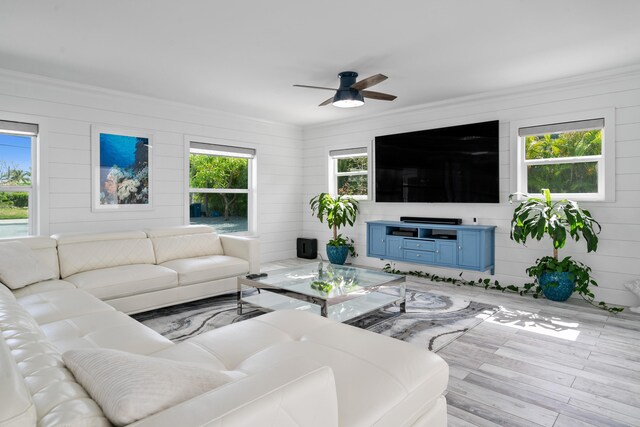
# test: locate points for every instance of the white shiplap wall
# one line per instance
(618, 258)
(65, 113)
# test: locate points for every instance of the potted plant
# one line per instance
(339, 211)
(537, 218)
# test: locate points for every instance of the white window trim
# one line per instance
(33, 224)
(333, 168)
(252, 191)
(606, 161)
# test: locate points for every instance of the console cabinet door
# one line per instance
(469, 249)
(377, 237)
(446, 253)
(395, 247)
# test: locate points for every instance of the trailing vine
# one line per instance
(527, 289)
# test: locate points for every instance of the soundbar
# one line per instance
(426, 220)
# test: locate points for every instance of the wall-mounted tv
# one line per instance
(457, 164)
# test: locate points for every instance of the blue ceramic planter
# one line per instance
(337, 254)
(556, 286)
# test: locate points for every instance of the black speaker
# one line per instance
(307, 248)
(425, 220)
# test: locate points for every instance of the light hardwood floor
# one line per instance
(540, 363)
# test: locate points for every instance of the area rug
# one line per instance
(432, 320)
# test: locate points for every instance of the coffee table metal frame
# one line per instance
(363, 290)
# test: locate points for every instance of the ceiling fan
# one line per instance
(352, 93)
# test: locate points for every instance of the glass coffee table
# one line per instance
(338, 292)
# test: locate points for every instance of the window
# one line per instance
(568, 158)
(220, 186)
(350, 172)
(17, 142)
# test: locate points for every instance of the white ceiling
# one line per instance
(244, 56)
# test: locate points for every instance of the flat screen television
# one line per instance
(457, 164)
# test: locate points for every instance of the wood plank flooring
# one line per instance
(540, 363)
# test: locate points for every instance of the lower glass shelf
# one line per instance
(340, 312)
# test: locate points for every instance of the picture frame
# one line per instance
(121, 169)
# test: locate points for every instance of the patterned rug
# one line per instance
(432, 320)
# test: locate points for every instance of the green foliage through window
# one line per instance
(570, 176)
(565, 144)
(14, 205)
(217, 172)
(352, 164)
(14, 176)
(352, 185)
(351, 176)
(563, 178)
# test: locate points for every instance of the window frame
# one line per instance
(33, 131)
(606, 160)
(343, 152)
(218, 147)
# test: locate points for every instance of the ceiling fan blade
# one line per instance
(369, 81)
(377, 95)
(327, 102)
(316, 87)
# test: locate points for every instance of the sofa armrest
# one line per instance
(303, 391)
(243, 247)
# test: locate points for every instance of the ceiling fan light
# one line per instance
(348, 103)
(348, 98)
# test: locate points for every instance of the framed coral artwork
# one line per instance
(121, 161)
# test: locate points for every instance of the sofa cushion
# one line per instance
(126, 280)
(104, 329)
(130, 387)
(206, 268)
(87, 252)
(186, 246)
(19, 266)
(364, 363)
(61, 304)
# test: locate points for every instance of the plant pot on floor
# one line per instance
(557, 286)
(339, 211)
(337, 254)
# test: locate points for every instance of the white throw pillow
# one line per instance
(129, 387)
(19, 266)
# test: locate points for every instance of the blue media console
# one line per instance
(468, 247)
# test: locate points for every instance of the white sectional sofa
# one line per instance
(140, 270)
(69, 358)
